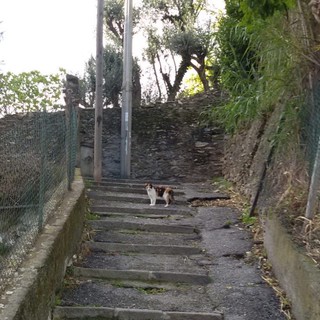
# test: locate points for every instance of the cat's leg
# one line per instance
(166, 198)
(153, 201)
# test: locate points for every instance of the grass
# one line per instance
(221, 184)
(152, 290)
(4, 249)
(246, 219)
(91, 216)
(88, 184)
(148, 289)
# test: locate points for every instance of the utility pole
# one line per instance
(126, 113)
(97, 165)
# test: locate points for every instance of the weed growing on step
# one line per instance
(4, 249)
(88, 184)
(58, 300)
(152, 290)
(246, 219)
(221, 184)
(91, 216)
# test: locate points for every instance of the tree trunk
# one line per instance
(157, 80)
(201, 71)
(173, 89)
(136, 92)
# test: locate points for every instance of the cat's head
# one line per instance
(148, 186)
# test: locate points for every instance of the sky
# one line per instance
(45, 35)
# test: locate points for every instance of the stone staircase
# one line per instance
(141, 262)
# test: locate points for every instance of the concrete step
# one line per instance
(95, 313)
(135, 189)
(133, 236)
(130, 197)
(141, 248)
(108, 224)
(136, 183)
(195, 264)
(143, 208)
(144, 296)
(118, 215)
(141, 275)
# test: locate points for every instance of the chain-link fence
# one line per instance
(38, 157)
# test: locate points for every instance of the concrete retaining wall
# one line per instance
(297, 274)
(31, 295)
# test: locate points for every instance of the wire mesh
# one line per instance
(38, 157)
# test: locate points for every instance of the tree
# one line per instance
(196, 43)
(182, 35)
(30, 92)
(112, 79)
(112, 87)
(114, 20)
(88, 84)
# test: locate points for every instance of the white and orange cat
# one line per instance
(159, 191)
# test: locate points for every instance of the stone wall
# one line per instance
(167, 141)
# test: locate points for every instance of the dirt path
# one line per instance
(179, 262)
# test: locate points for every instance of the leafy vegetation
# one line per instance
(182, 41)
(29, 92)
(258, 53)
(253, 9)
(113, 61)
(112, 78)
(179, 38)
(246, 218)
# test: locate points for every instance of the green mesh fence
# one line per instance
(38, 157)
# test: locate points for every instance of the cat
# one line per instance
(159, 191)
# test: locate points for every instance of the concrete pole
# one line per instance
(126, 114)
(97, 165)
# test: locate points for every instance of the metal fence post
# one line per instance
(72, 102)
(314, 186)
(43, 156)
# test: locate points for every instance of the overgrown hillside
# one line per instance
(269, 58)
